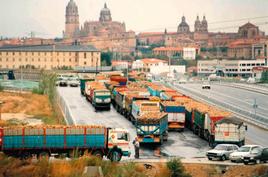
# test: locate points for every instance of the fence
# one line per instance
(65, 109)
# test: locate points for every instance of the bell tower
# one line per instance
(72, 20)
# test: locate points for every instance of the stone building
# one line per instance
(249, 30)
(49, 57)
(104, 34)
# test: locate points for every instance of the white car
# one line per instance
(73, 82)
(221, 151)
(206, 86)
(242, 151)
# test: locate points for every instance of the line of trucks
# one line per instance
(155, 110)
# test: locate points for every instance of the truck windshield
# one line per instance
(122, 136)
(102, 93)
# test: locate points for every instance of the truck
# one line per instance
(120, 98)
(98, 95)
(42, 141)
(120, 79)
(230, 130)
(169, 95)
(83, 80)
(176, 115)
(152, 127)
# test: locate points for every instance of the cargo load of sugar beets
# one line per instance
(27, 141)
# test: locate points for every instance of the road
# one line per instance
(243, 99)
(186, 144)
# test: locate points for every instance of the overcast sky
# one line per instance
(47, 17)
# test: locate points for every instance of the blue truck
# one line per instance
(24, 142)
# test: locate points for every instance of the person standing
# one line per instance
(136, 144)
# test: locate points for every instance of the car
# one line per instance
(63, 82)
(242, 151)
(257, 155)
(73, 82)
(206, 86)
(221, 151)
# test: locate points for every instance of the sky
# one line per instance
(47, 17)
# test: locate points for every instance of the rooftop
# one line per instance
(49, 48)
(152, 60)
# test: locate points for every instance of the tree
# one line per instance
(106, 58)
(264, 77)
(176, 168)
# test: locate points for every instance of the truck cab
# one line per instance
(101, 98)
(118, 144)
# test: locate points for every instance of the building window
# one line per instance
(70, 53)
(85, 55)
(13, 59)
(13, 53)
(85, 63)
(0, 53)
(19, 59)
(20, 53)
(70, 60)
(38, 59)
(26, 59)
(32, 54)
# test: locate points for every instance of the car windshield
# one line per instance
(244, 149)
(220, 147)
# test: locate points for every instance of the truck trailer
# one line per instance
(230, 130)
(176, 115)
(24, 142)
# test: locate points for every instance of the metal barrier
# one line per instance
(65, 109)
(245, 115)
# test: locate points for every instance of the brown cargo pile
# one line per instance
(96, 85)
(170, 103)
(151, 117)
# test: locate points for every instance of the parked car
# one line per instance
(73, 82)
(206, 85)
(221, 151)
(63, 82)
(242, 151)
(257, 155)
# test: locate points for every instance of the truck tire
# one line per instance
(115, 156)
(98, 154)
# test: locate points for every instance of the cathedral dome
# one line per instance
(183, 22)
(105, 14)
(71, 8)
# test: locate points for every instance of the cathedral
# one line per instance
(104, 33)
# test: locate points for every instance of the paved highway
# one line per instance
(186, 144)
(242, 99)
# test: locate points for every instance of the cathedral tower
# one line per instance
(72, 20)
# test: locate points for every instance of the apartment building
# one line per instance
(49, 57)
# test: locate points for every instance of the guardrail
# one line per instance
(245, 115)
(246, 87)
(65, 109)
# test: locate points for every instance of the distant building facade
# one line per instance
(232, 68)
(144, 65)
(49, 57)
(104, 34)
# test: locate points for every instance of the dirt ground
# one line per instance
(203, 170)
(25, 106)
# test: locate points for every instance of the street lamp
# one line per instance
(1, 102)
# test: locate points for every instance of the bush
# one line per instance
(176, 168)
(1, 88)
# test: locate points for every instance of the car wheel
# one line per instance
(209, 158)
(245, 163)
(223, 158)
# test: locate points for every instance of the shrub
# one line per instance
(176, 168)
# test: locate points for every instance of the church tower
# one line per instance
(204, 24)
(197, 25)
(105, 14)
(72, 20)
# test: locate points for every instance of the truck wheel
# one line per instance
(115, 156)
(98, 154)
(223, 158)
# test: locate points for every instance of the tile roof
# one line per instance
(152, 60)
(49, 48)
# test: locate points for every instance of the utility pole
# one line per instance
(255, 106)
(1, 103)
